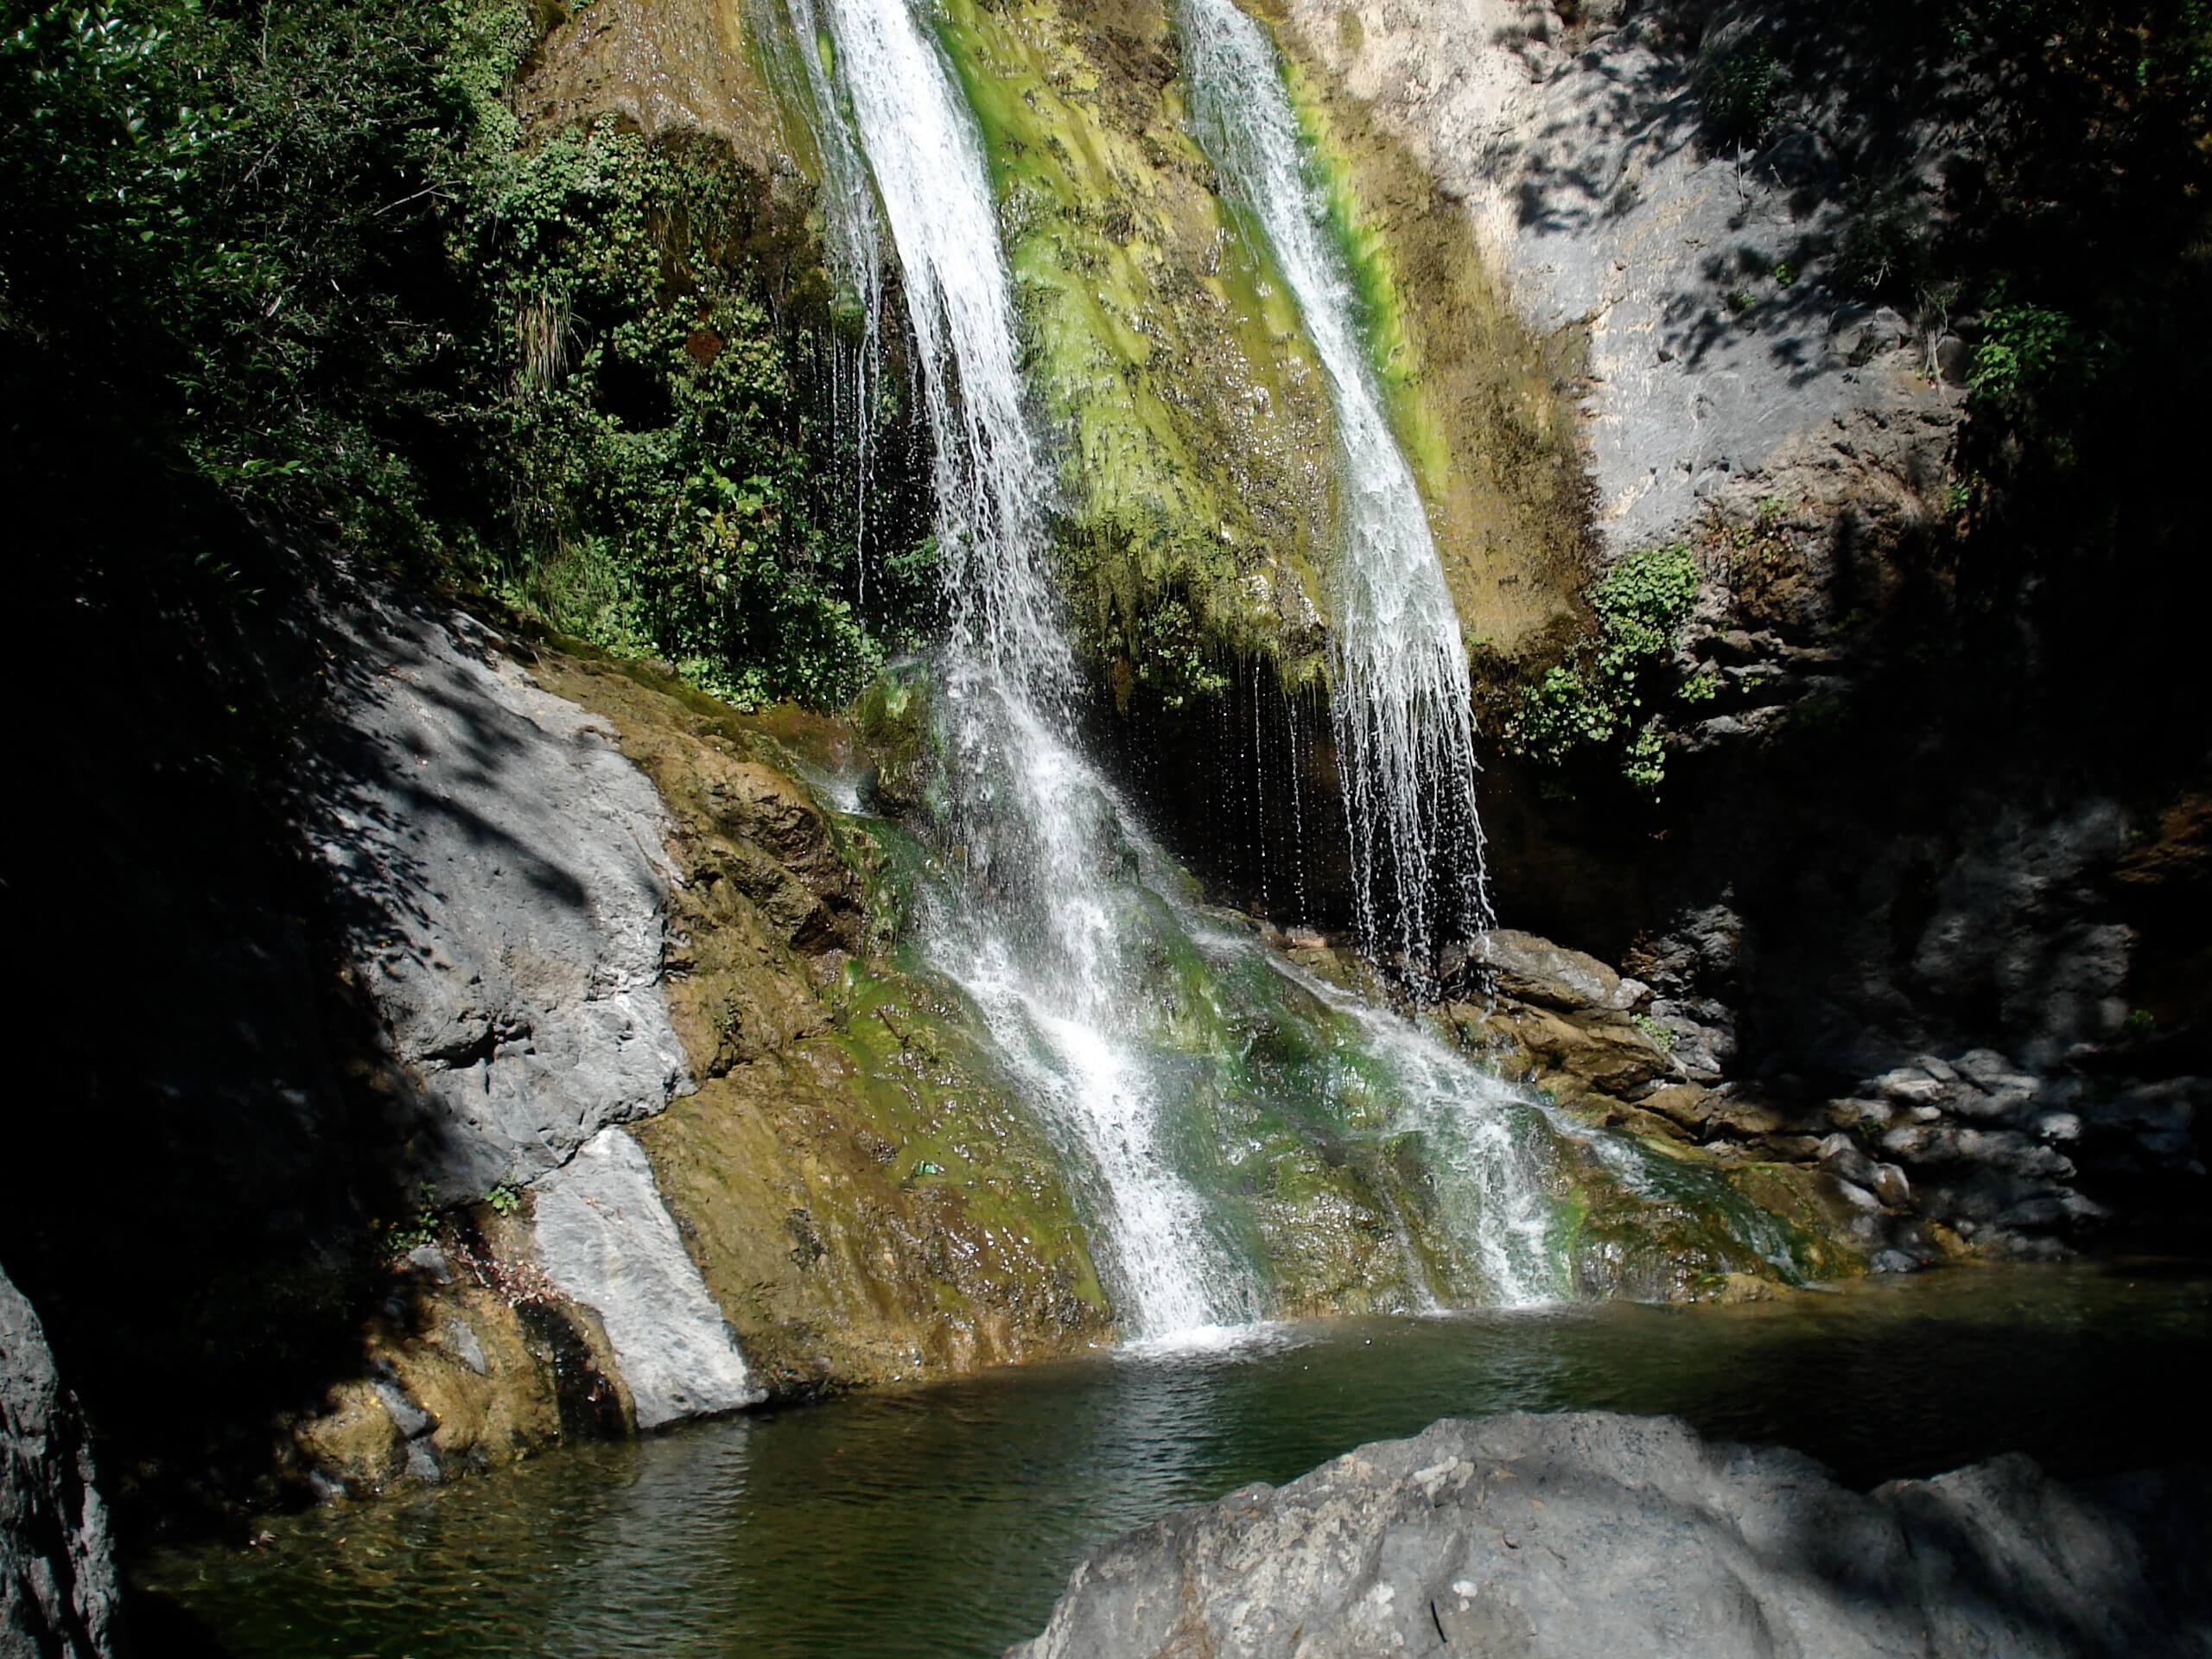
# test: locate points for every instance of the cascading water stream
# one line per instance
(852, 238)
(1040, 932)
(1401, 705)
(1217, 1106)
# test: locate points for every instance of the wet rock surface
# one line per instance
(58, 1584)
(1593, 1533)
(1974, 1152)
(1575, 155)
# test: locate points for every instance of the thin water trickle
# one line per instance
(1402, 705)
(852, 238)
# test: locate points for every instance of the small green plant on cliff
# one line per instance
(412, 1232)
(2025, 348)
(1740, 88)
(1608, 696)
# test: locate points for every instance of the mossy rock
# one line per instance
(1484, 407)
(872, 1206)
(1193, 426)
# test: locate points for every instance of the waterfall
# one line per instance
(852, 233)
(1402, 705)
(1215, 1106)
(1045, 932)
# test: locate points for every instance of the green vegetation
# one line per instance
(2056, 227)
(415, 1231)
(310, 255)
(1738, 87)
(1607, 696)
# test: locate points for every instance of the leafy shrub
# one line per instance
(1600, 698)
(1740, 86)
(2025, 347)
(313, 250)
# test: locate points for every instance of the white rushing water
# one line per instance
(1040, 932)
(1486, 1145)
(1180, 1063)
(1401, 703)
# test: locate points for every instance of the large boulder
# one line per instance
(1535, 969)
(58, 1584)
(1592, 1533)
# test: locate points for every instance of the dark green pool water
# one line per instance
(944, 1520)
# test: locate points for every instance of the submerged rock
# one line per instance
(58, 1584)
(1592, 1533)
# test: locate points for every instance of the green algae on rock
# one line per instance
(1170, 365)
(865, 1198)
(1484, 405)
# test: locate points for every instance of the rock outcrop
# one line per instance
(58, 1584)
(1593, 1533)
(608, 1243)
(783, 1165)
(1713, 358)
(1974, 1152)
(504, 884)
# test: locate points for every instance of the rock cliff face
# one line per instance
(1925, 838)
(506, 889)
(1592, 1533)
(1575, 155)
(820, 1182)
(58, 1585)
(1929, 1158)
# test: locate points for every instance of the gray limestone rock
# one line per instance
(1537, 970)
(606, 1239)
(1590, 1533)
(507, 882)
(58, 1585)
(1585, 188)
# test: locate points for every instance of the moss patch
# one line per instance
(1192, 421)
(866, 1199)
(866, 1208)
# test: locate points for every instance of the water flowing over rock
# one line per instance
(1037, 934)
(1401, 697)
(1575, 155)
(1592, 1533)
(505, 887)
(58, 1585)
(1165, 1051)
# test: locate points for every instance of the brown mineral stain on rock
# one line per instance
(662, 65)
(1484, 407)
(487, 1361)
